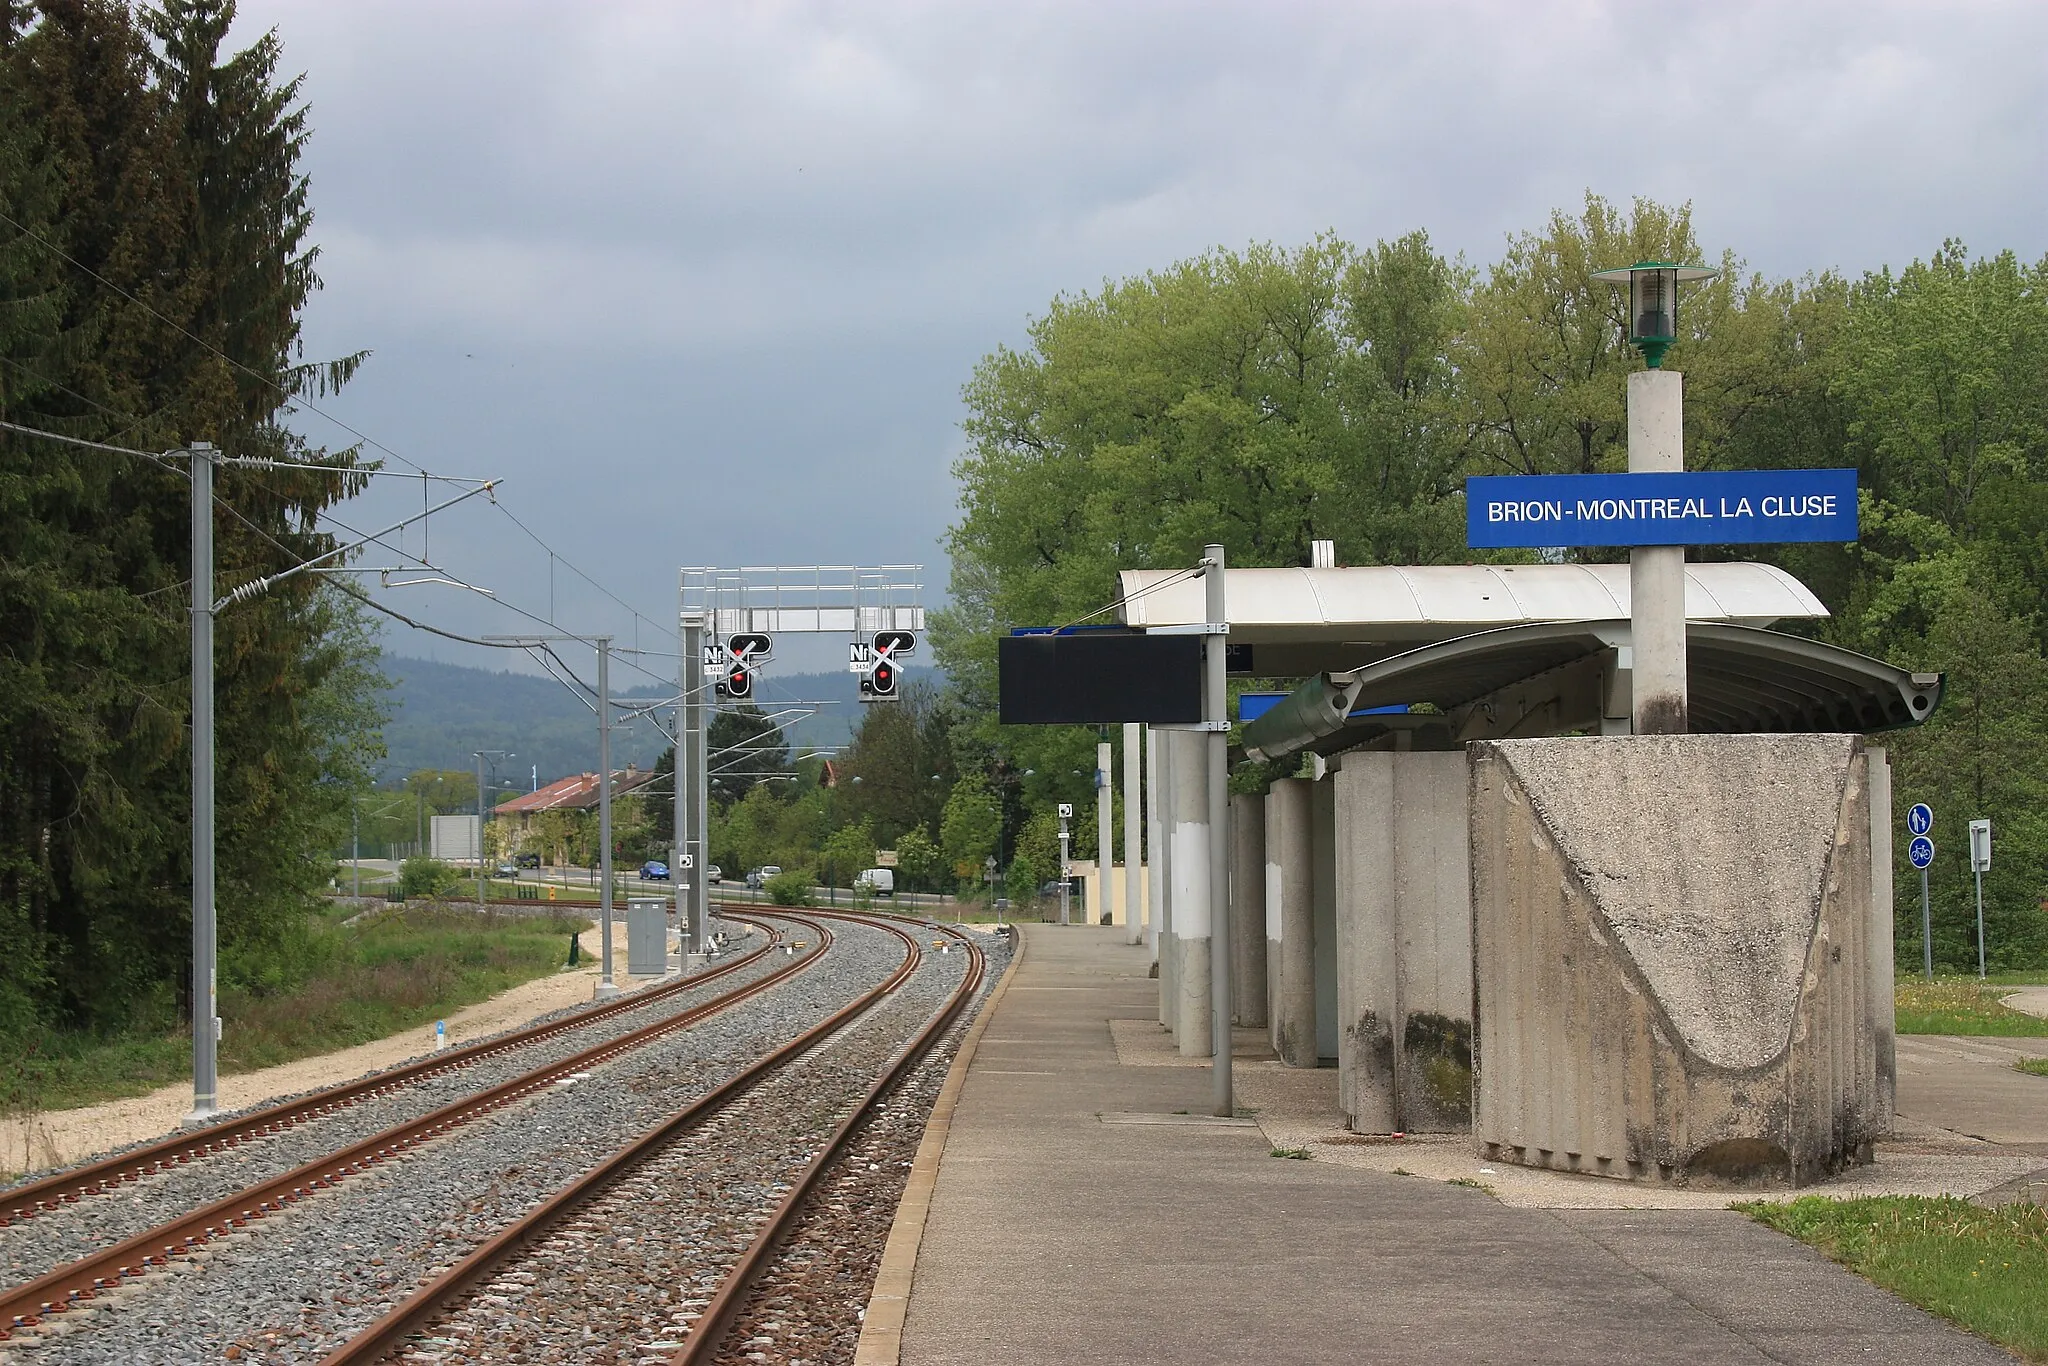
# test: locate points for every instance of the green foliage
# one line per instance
(919, 860)
(790, 888)
(354, 980)
(1981, 1267)
(2033, 1067)
(426, 878)
(969, 828)
(1269, 396)
(168, 170)
(849, 850)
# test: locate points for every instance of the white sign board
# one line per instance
(1066, 811)
(1980, 846)
(885, 858)
(454, 839)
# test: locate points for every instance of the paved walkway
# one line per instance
(1074, 1221)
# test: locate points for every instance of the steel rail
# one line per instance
(417, 1310)
(68, 1187)
(707, 1334)
(59, 1288)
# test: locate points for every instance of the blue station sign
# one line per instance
(1707, 507)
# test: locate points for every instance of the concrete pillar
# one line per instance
(1290, 920)
(1323, 895)
(1248, 909)
(1134, 853)
(1190, 837)
(1672, 956)
(1404, 939)
(1883, 1001)
(1656, 573)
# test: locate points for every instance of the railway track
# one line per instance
(591, 1261)
(763, 1152)
(87, 1277)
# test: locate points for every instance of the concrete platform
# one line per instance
(1054, 1236)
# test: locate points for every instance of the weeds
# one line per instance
(350, 981)
(1961, 1005)
(1983, 1268)
(1298, 1154)
(2033, 1067)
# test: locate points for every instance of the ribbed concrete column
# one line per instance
(1248, 909)
(1323, 895)
(1369, 927)
(1190, 838)
(1881, 991)
(1656, 573)
(1290, 917)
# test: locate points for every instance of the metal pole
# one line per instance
(1065, 886)
(1656, 573)
(355, 843)
(1979, 872)
(605, 986)
(479, 832)
(1134, 853)
(1155, 858)
(700, 806)
(690, 870)
(205, 1020)
(1105, 850)
(1926, 928)
(1215, 711)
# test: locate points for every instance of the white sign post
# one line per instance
(1980, 860)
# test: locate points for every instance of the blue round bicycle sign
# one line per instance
(1920, 852)
(1920, 820)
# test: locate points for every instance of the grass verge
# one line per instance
(1981, 1268)
(1962, 1005)
(2033, 1067)
(371, 976)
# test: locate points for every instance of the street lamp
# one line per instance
(1653, 302)
(1656, 445)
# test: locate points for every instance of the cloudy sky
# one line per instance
(701, 282)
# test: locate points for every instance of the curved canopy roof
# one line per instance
(1534, 679)
(1391, 602)
(1291, 617)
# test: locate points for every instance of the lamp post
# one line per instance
(1656, 444)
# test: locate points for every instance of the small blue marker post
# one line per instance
(1920, 853)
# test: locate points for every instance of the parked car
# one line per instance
(880, 881)
(528, 860)
(713, 874)
(758, 879)
(654, 871)
(506, 870)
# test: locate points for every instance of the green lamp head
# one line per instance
(1653, 302)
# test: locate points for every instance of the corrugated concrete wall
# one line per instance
(1322, 806)
(1404, 936)
(1672, 965)
(1290, 921)
(1248, 909)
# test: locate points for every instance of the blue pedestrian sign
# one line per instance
(1920, 820)
(1703, 507)
(1920, 852)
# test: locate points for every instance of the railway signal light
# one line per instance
(881, 680)
(756, 647)
(895, 644)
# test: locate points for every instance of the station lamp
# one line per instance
(1653, 302)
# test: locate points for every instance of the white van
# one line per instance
(880, 881)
